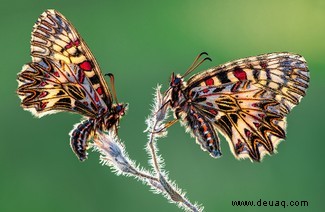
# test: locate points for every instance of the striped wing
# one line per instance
(50, 86)
(247, 100)
(64, 75)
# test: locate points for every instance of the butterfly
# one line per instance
(245, 100)
(64, 76)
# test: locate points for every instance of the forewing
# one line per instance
(285, 75)
(55, 38)
(49, 86)
(250, 98)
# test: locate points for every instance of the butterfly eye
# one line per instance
(177, 80)
(118, 108)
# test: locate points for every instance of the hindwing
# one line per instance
(50, 86)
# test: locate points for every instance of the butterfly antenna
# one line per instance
(111, 76)
(196, 64)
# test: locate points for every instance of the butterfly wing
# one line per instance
(247, 100)
(64, 75)
(50, 86)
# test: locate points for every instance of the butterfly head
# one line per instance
(175, 80)
(112, 117)
(120, 109)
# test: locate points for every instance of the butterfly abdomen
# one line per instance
(79, 137)
(204, 132)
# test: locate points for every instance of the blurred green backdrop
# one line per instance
(142, 42)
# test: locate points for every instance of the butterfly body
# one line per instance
(245, 100)
(65, 76)
(183, 104)
(85, 130)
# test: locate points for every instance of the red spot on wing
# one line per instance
(43, 83)
(81, 76)
(247, 133)
(240, 74)
(69, 45)
(56, 74)
(85, 103)
(43, 105)
(261, 115)
(213, 112)
(43, 94)
(77, 42)
(96, 98)
(235, 86)
(205, 90)
(85, 66)
(209, 81)
(99, 90)
(257, 124)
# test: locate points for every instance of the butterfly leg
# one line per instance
(79, 137)
(165, 126)
(163, 106)
(172, 122)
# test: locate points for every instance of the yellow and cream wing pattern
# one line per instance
(63, 74)
(247, 101)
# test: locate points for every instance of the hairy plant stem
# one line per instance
(173, 194)
(114, 154)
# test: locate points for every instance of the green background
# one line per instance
(142, 42)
